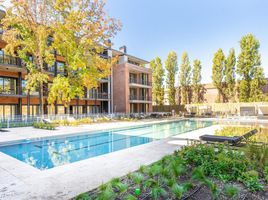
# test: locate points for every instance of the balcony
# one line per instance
(14, 92)
(139, 82)
(10, 60)
(105, 96)
(9, 91)
(98, 96)
(140, 98)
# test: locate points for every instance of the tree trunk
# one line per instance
(41, 102)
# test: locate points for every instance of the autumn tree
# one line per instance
(81, 34)
(171, 66)
(218, 74)
(26, 32)
(185, 78)
(196, 80)
(248, 67)
(229, 72)
(157, 78)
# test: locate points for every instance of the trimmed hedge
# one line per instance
(42, 125)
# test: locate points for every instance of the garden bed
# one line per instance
(196, 172)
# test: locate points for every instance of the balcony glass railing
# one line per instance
(15, 91)
(140, 82)
(9, 60)
(98, 96)
(140, 98)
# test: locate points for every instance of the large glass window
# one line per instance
(8, 85)
(61, 110)
(24, 90)
(91, 93)
(7, 111)
(60, 67)
(132, 78)
(144, 79)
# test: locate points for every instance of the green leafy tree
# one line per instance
(80, 36)
(185, 78)
(248, 67)
(196, 81)
(29, 39)
(171, 66)
(158, 78)
(229, 73)
(218, 73)
(256, 84)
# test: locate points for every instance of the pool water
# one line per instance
(53, 152)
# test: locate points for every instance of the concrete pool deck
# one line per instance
(19, 180)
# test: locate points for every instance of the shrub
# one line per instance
(231, 191)
(266, 173)
(83, 196)
(251, 180)
(42, 125)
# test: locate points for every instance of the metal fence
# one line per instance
(24, 120)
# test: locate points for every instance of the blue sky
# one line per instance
(153, 27)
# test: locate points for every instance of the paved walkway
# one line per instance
(21, 181)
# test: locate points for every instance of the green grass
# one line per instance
(261, 136)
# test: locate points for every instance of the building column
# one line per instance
(28, 103)
(77, 106)
(109, 95)
(56, 107)
(19, 111)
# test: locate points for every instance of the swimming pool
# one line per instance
(53, 152)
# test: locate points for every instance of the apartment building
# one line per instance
(132, 84)
(106, 98)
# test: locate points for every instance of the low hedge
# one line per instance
(42, 125)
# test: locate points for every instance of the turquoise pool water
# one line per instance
(53, 152)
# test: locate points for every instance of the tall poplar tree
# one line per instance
(171, 66)
(248, 67)
(185, 78)
(196, 81)
(218, 73)
(258, 81)
(158, 79)
(229, 73)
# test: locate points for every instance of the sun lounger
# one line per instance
(231, 140)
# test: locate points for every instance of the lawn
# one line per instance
(261, 136)
(196, 172)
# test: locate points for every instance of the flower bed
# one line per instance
(199, 171)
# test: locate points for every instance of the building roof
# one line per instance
(135, 59)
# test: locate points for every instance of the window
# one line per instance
(24, 90)
(60, 67)
(144, 79)
(132, 78)
(91, 93)
(8, 85)
(7, 111)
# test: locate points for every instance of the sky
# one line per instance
(153, 28)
